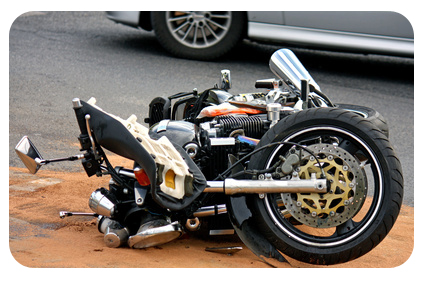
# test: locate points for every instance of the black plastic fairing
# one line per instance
(244, 225)
(112, 135)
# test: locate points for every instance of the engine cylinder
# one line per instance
(252, 125)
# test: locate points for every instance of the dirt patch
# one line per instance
(39, 238)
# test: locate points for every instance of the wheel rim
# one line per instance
(198, 29)
(346, 231)
(346, 186)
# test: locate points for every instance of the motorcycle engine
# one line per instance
(210, 143)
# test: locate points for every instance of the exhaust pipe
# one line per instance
(115, 234)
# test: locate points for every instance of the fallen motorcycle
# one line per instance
(287, 169)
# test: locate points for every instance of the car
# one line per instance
(207, 35)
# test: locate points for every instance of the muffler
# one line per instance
(101, 204)
(115, 234)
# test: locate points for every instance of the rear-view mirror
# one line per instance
(29, 154)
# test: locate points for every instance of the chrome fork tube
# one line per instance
(295, 185)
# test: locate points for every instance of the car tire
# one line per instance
(198, 35)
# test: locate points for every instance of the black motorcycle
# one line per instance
(284, 167)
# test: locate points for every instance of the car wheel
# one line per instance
(198, 35)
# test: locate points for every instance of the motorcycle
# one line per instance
(291, 172)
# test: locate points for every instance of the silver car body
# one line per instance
(368, 32)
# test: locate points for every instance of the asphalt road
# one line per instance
(57, 56)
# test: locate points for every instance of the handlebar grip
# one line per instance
(263, 84)
(268, 83)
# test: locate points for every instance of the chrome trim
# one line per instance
(100, 204)
(154, 233)
(192, 149)
(210, 210)
(284, 64)
(214, 187)
(273, 110)
(163, 125)
(126, 172)
(295, 185)
(115, 236)
(63, 214)
(193, 224)
(76, 103)
(225, 80)
(332, 39)
(222, 141)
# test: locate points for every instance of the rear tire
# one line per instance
(354, 237)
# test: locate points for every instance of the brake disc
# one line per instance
(346, 192)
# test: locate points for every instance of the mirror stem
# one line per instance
(71, 158)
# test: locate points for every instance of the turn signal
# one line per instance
(170, 179)
(141, 176)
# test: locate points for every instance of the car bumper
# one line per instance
(130, 18)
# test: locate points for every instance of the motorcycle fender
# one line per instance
(243, 223)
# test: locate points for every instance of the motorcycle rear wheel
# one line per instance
(345, 239)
